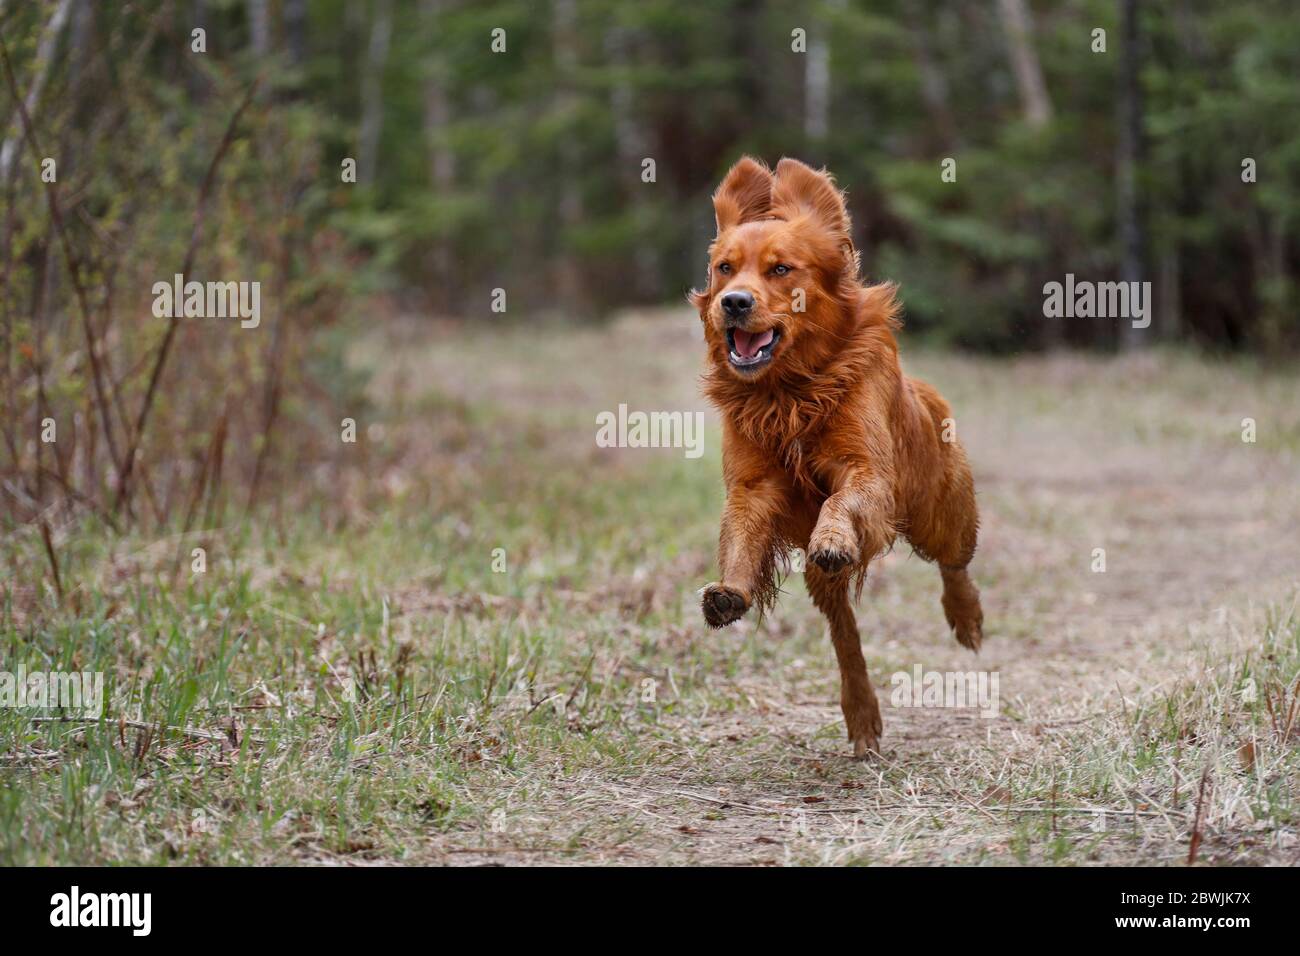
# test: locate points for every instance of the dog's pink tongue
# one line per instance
(748, 343)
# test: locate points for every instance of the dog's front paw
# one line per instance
(832, 550)
(862, 718)
(867, 747)
(723, 605)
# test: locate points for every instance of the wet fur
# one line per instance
(829, 447)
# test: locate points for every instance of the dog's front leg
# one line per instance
(757, 497)
(856, 522)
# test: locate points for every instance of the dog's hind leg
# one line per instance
(961, 599)
(961, 606)
(857, 698)
(944, 524)
(952, 551)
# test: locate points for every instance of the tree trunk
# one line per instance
(295, 30)
(934, 85)
(817, 87)
(45, 50)
(568, 279)
(1128, 160)
(1168, 287)
(1019, 29)
(259, 26)
(79, 43)
(633, 148)
(442, 161)
(372, 91)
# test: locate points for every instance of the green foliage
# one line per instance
(522, 168)
(135, 127)
(566, 114)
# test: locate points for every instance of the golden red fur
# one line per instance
(826, 445)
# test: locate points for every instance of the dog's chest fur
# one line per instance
(789, 431)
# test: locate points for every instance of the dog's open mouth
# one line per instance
(750, 350)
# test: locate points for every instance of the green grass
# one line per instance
(358, 682)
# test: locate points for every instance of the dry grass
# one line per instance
(356, 683)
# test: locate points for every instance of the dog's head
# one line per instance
(780, 270)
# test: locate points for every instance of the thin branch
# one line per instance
(200, 212)
(54, 560)
(1197, 821)
(44, 58)
(56, 214)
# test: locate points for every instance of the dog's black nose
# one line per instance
(737, 302)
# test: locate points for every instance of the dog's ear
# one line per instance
(745, 194)
(800, 190)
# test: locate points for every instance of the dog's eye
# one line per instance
(724, 268)
(780, 269)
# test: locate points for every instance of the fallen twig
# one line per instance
(141, 725)
(1196, 825)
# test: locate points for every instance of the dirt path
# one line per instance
(1141, 458)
